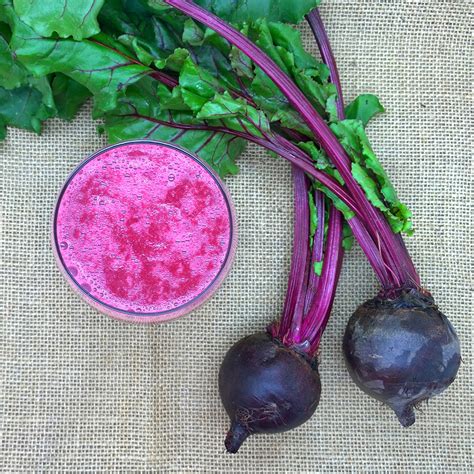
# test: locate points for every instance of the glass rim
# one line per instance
(149, 317)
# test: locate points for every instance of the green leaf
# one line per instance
(115, 19)
(219, 66)
(338, 204)
(241, 63)
(139, 47)
(42, 84)
(5, 31)
(3, 129)
(266, 94)
(12, 74)
(292, 120)
(192, 34)
(212, 38)
(155, 37)
(331, 108)
(238, 11)
(268, 97)
(25, 101)
(106, 72)
(222, 106)
(321, 96)
(121, 47)
(174, 61)
(321, 162)
(364, 108)
(69, 96)
(235, 114)
(369, 185)
(7, 14)
(261, 35)
(197, 85)
(76, 18)
(170, 99)
(369, 173)
(139, 115)
(347, 237)
(288, 39)
(284, 45)
(219, 150)
(318, 267)
(158, 6)
(25, 107)
(168, 38)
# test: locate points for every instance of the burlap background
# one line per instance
(85, 393)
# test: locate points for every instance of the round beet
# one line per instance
(266, 387)
(401, 351)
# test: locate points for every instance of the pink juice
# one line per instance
(144, 231)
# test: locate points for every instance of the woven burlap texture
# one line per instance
(82, 392)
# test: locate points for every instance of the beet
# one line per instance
(266, 387)
(401, 351)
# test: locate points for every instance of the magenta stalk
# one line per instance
(379, 228)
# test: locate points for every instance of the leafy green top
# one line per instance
(155, 73)
(76, 18)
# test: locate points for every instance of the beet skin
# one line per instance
(266, 387)
(401, 351)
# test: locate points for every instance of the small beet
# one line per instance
(401, 351)
(266, 387)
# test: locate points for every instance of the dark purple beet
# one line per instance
(266, 387)
(401, 351)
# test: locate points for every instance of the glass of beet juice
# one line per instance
(144, 231)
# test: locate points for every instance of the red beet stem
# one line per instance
(387, 279)
(293, 309)
(318, 315)
(318, 250)
(371, 250)
(393, 251)
(317, 26)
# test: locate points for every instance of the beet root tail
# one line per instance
(235, 437)
(405, 415)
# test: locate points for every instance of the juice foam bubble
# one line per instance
(143, 228)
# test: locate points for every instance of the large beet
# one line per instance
(266, 388)
(401, 351)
